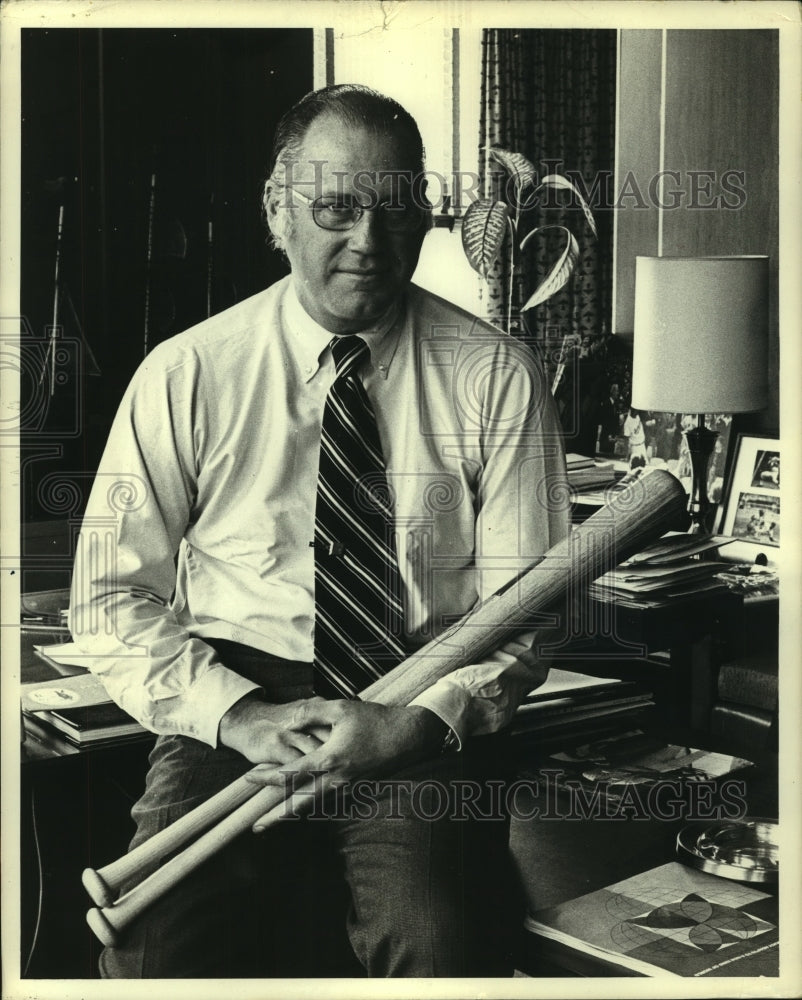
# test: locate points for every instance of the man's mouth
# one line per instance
(368, 281)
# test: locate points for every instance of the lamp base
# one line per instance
(701, 442)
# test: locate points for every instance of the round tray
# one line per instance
(746, 850)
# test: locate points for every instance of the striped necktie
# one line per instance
(358, 605)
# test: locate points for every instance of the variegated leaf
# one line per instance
(517, 166)
(561, 271)
(484, 227)
(560, 183)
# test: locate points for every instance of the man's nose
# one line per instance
(368, 234)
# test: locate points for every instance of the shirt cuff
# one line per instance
(450, 703)
(208, 700)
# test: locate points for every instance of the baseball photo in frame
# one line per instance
(751, 512)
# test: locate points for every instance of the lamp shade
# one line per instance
(701, 334)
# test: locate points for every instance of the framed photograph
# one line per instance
(751, 513)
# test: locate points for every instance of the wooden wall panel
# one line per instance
(721, 116)
(717, 108)
(637, 159)
(722, 101)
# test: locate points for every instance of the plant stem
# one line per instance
(513, 233)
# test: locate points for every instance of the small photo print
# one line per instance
(766, 474)
(757, 519)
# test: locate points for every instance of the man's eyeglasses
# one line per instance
(342, 212)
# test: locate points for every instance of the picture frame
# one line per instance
(751, 508)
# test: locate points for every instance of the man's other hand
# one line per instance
(270, 734)
(366, 740)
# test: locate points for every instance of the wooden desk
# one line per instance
(617, 638)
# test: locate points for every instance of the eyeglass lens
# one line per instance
(344, 213)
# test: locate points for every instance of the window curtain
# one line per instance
(550, 94)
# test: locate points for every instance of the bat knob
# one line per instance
(97, 887)
(101, 927)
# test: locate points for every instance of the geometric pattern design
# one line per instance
(698, 923)
(673, 919)
(358, 602)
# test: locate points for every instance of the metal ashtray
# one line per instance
(747, 850)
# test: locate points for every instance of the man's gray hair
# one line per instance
(355, 106)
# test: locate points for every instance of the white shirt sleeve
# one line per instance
(137, 514)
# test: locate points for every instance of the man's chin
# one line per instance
(358, 312)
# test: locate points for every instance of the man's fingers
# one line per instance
(273, 774)
(317, 713)
(304, 743)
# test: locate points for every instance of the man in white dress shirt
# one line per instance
(202, 616)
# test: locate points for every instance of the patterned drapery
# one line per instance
(550, 94)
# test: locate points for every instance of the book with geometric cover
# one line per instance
(673, 920)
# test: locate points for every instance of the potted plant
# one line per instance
(488, 223)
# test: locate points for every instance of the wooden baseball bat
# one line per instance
(632, 519)
(103, 884)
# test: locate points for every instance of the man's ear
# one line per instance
(275, 216)
(423, 202)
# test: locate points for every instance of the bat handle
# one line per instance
(108, 922)
(103, 884)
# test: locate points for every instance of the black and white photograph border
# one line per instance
(407, 49)
(752, 511)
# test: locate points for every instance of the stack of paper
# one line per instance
(669, 568)
(568, 698)
(587, 473)
(621, 765)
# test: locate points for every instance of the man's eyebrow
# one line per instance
(366, 202)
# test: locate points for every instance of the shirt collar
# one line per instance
(310, 339)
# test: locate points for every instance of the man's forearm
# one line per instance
(168, 680)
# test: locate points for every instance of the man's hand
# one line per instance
(270, 734)
(366, 739)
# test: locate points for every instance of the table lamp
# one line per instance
(701, 346)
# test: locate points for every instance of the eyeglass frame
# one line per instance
(359, 211)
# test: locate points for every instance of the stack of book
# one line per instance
(590, 481)
(570, 702)
(78, 708)
(589, 473)
(670, 568)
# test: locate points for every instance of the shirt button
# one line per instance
(383, 369)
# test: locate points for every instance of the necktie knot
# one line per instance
(348, 353)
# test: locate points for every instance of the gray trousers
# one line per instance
(407, 876)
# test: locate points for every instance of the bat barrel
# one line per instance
(634, 517)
